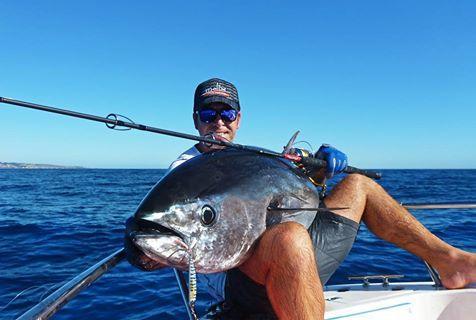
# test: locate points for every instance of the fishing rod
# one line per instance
(112, 121)
(412, 206)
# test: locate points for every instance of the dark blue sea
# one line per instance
(56, 223)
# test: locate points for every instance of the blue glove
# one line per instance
(336, 160)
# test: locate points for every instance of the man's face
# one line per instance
(221, 129)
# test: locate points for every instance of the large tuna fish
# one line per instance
(214, 207)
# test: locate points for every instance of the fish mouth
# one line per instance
(152, 227)
(162, 245)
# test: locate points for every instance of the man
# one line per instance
(285, 273)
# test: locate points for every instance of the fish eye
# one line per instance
(208, 215)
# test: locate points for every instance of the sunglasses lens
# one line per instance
(228, 115)
(207, 115)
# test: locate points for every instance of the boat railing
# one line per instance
(51, 304)
(48, 306)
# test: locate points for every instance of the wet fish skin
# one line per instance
(238, 186)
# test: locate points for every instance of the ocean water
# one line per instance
(56, 223)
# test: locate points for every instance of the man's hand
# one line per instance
(336, 160)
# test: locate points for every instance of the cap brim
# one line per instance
(224, 100)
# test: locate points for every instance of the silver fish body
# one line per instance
(215, 207)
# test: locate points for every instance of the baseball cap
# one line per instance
(216, 90)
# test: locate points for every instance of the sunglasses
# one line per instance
(210, 115)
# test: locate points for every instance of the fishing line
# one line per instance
(306, 143)
(50, 288)
(19, 294)
(32, 288)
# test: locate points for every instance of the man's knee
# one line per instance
(290, 246)
(283, 244)
(357, 180)
(355, 185)
(288, 237)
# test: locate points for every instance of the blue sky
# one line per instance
(392, 84)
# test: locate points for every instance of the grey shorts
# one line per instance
(332, 236)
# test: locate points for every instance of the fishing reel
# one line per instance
(310, 172)
(302, 154)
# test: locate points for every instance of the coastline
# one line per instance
(18, 165)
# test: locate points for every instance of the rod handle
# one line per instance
(318, 163)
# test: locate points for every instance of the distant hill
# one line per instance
(17, 165)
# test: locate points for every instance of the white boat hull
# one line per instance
(402, 301)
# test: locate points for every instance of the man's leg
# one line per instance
(369, 202)
(284, 263)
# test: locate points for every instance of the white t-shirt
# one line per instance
(187, 155)
(214, 283)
